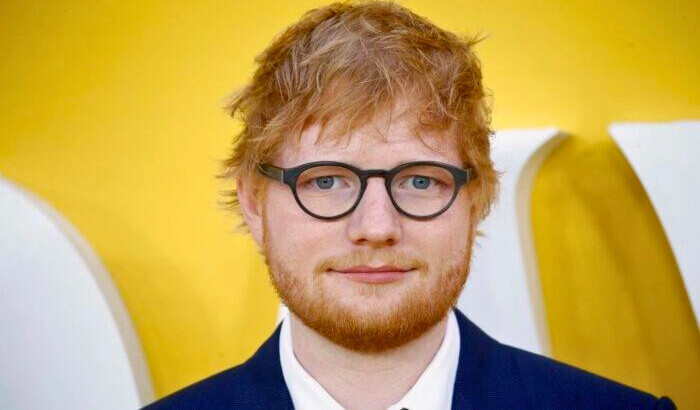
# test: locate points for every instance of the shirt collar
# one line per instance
(433, 390)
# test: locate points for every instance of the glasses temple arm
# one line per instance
(272, 172)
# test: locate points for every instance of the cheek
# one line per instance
(459, 219)
(298, 240)
(460, 227)
(442, 240)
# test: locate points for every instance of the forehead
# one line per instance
(379, 144)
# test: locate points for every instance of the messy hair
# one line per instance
(343, 64)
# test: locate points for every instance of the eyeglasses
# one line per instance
(330, 190)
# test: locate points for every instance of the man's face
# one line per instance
(367, 312)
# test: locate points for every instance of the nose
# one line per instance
(375, 222)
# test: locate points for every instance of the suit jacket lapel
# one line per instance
(486, 377)
(266, 374)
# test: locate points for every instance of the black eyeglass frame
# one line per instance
(289, 176)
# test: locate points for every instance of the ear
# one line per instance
(251, 208)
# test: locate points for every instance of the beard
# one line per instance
(365, 317)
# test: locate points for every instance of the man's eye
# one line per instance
(324, 182)
(420, 182)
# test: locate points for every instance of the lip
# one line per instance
(377, 275)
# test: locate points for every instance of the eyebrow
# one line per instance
(390, 167)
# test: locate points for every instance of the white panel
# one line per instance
(67, 341)
(666, 159)
(503, 291)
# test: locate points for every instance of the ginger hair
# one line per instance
(343, 64)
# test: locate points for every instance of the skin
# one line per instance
(370, 375)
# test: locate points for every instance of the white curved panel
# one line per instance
(503, 292)
(665, 157)
(67, 341)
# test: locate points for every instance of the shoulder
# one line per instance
(256, 384)
(511, 375)
(561, 385)
(218, 391)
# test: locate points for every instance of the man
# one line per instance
(362, 172)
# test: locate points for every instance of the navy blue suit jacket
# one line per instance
(490, 375)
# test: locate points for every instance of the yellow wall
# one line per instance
(110, 110)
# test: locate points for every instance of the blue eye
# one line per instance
(421, 182)
(325, 182)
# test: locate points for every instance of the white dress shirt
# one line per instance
(433, 390)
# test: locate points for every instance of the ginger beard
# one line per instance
(363, 317)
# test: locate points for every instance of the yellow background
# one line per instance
(110, 111)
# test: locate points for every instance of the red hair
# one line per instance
(342, 65)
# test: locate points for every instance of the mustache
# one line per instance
(373, 258)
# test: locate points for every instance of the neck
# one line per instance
(364, 380)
